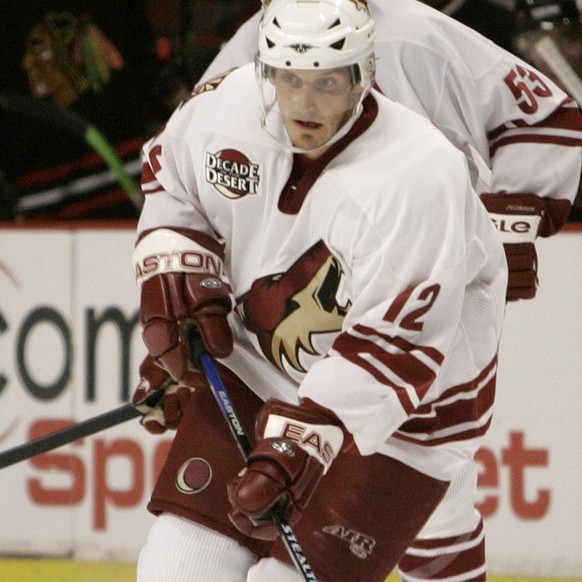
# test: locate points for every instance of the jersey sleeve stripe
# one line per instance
(444, 419)
(562, 127)
(566, 117)
(462, 432)
(393, 361)
(573, 141)
(400, 342)
(149, 182)
(410, 365)
(403, 395)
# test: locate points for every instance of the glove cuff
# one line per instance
(517, 217)
(166, 251)
(308, 429)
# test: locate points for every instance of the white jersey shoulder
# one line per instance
(505, 116)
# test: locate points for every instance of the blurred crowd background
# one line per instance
(83, 83)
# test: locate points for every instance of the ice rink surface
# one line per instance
(36, 570)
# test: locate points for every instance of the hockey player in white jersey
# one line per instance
(368, 291)
(523, 131)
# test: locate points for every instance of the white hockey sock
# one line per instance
(178, 550)
(272, 569)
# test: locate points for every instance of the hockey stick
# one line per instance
(78, 431)
(199, 354)
(50, 113)
(558, 63)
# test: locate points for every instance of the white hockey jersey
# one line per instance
(373, 283)
(521, 133)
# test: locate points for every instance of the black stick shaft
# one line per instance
(64, 119)
(75, 432)
(228, 411)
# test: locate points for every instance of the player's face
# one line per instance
(314, 104)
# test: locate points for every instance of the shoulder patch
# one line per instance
(210, 85)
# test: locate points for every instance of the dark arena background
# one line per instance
(70, 344)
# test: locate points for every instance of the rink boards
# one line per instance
(70, 348)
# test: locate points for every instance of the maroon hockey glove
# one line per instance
(522, 263)
(295, 448)
(181, 285)
(168, 413)
(520, 218)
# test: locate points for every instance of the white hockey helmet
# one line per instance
(317, 35)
